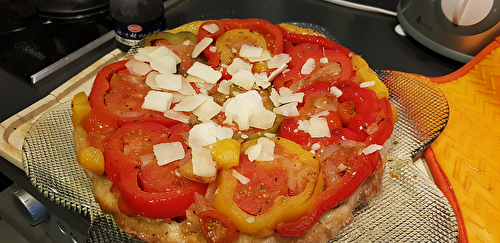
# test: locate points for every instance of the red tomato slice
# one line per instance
(271, 33)
(370, 123)
(343, 187)
(317, 98)
(155, 178)
(269, 180)
(338, 68)
(148, 189)
(121, 94)
(364, 118)
(366, 105)
(299, 54)
(181, 50)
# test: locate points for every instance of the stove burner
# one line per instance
(31, 47)
(71, 10)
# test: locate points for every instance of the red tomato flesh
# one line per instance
(269, 180)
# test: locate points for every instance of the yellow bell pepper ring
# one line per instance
(364, 74)
(91, 159)
(88, 157)
(285, 207)
(80, 109)
(225, 152)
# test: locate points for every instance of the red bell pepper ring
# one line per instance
(300, 53)
(369, 111)
(271, 32)
(342, 189)
(174, 196)
(168, 204)
(101, 88)
(312, 39)
(289, 125)
(373, 115)
(385, 124)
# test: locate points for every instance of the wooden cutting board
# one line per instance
(14, 129)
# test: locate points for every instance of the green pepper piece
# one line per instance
(172, 38)
(274, 129)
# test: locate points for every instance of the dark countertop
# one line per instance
(369, 34)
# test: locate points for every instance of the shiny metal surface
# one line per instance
(74, 56)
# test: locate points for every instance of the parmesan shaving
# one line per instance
(308, 66)
(142, 53)
(289, 109)
(204, 43)
(169, 81)
(207, 133)
(157, 101)
(137, 67)
(163, 51)
(250, 51)
(319, 127)
(168, 152)
(264, 57)
(367, 84)
(177, 115)
(278, 61)
(204, 72)
(262, 151)
(164, 64)
(241, 178)
(151, 80)
(212, 28)
(335, 91)
(238, 65)
(371, 148)
(207, 110)
(203, 164)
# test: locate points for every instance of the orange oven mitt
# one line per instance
(465, 158)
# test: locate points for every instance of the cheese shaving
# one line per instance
(250, 51)
(367, 84)
(212, 28)
(157, 101)
(241, 178)
(308, 66)
(204, 72)
(137, 67)
(168, 152)
(262, 151)
(203, 164)
(335, 91)
(371, 148)
(204, 43)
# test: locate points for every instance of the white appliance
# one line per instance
(458, 29)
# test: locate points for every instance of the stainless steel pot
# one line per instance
(71, 9)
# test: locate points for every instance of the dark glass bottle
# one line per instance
(135, 19)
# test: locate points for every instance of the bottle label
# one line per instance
(132, 33)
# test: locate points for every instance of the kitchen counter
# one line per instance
(369, 34)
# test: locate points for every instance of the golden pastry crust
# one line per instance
(185, 230)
